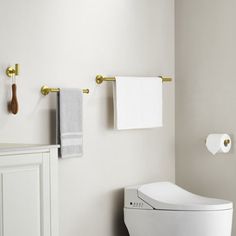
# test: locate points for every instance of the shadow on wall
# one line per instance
(53, 126)
(119, 228)
(110, 113)
(109, 106)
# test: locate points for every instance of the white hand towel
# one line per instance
(137, 102)
(69, 118)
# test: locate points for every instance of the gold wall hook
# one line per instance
(100, 79)
(13, 71)
(45, 90)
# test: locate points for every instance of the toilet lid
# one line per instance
(168, 196)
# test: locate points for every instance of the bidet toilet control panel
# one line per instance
(132, 199)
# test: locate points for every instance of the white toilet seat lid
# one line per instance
(168, 196)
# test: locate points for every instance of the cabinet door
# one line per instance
(25, 195)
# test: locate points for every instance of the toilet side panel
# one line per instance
(178, 223)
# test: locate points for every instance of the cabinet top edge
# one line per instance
(15, 147)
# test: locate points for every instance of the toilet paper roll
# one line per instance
(218, 143)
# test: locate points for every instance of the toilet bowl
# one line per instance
(164, 209)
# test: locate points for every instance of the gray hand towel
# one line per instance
(69, 122)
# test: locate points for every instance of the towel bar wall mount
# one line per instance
(100, 79)
(45, 90)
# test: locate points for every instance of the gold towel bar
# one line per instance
(100, 79)
(45, 90)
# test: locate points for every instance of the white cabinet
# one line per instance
(28, 191)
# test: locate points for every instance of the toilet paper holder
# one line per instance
(226, 142)
(218, 143)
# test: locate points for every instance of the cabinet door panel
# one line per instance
(25, 195)
(21, 201)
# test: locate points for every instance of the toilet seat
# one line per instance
(168, 196)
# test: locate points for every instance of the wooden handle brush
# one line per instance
(14, 103)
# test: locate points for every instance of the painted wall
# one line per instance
(205, 95)
(65, 44)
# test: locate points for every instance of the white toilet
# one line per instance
(164, 209)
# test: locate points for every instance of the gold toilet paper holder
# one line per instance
(226, 142)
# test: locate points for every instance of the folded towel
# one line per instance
(137, 102)
(69, 123)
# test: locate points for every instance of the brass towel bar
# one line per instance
(100, 79)
(45, 90)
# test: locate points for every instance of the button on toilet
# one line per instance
(164, 209)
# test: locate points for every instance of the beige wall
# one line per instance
(65, 43)
(205, 94)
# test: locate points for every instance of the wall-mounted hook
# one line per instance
(13, 71)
